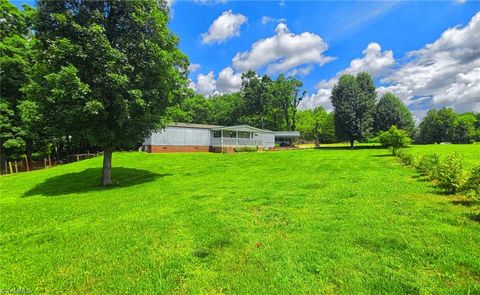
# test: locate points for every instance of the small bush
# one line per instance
(394, 139)
(450, 175)
(473, 182)
(407, 158)
(428, 165)
(245, 149)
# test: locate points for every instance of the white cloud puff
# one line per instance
(226, 26)
(227, 82)
(283, 51)
(194, 67)
(447, 70)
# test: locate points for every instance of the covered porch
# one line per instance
(243, 135)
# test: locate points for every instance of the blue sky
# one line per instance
(318, 40)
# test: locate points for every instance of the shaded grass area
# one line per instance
(307, 221)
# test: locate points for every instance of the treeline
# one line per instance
(358, 114)
(262, 102)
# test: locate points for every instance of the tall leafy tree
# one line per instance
(257, 95)
(108, 71)
(390, 110)
(353, 99)
(429, 130)
(16, 41)
(285, 96)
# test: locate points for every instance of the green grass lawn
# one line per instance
(306, 221)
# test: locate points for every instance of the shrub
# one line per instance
(407, 158)
(450, 175)
(245, 149)
(473, 182)
(428, 165)
(394, 139)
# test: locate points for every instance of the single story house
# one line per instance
(184, 137)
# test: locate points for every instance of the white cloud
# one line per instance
(267, 19)
(374, 60)
(227, 82)
(283, 51)
(224, 27)
(447, 70)
(443, 73)
(460, 1)
(205, 83)
(194, 67)
(302, 72)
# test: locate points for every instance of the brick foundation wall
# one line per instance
(176, 149)
(187, 149)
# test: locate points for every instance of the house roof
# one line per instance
(292, 134)
(243, 128)
(191, 125)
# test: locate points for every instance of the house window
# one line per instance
(229, 133)
(217, 133)
(243, 134)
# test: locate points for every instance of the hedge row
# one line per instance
(447, 173)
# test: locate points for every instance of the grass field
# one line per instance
(469, 153)
(308, 221)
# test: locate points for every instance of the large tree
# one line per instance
(18, 118)
(390, 110)
(353, 100)
(107, 71)
(258, 97)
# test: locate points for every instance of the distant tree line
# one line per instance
(262, 102)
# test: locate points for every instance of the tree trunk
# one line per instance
(107, 166)
(352, 141)
(287, 117)
(317, 141)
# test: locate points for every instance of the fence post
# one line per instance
(26, 164)
(10, 166)
(78, 158)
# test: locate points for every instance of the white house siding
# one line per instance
(180, 136)
(268, 140)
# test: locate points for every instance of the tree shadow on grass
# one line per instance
(88, 180)
(475, 217)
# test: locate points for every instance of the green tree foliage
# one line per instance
(285, 99)
(16, 114)
(464, 130)
(257, 93)
(445, 125)
(390, 110)
(353, 99)
(394, 139)
(316, 125)
(108, 71)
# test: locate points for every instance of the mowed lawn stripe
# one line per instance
(339, 221)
